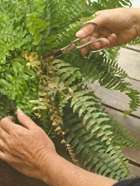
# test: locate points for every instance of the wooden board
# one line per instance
(129, 60)
(134, 171)
(115, 98)
(133, 156)
(131, 123)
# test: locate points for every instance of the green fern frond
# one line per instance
(105, 4)
(105, 69)
(96, 124)
(86, 105)
(74, 10)
(69, 75)
(91, 152)
(15, 79)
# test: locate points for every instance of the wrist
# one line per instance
(42, 162)
(47, 165)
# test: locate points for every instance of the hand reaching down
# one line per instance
(28, 149)
(25, 147)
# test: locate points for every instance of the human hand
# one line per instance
(25, 147)
(113, 27)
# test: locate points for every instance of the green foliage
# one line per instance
(89, 141)
(55, 92)
(104, 4)
(19, 83)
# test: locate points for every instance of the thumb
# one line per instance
(87, 30)
(90, 27)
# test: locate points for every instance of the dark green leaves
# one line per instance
(7, 106)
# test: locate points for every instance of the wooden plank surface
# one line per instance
(133, 155)
(131, 123)
(130, 61)
(134, 171)
(115, 98)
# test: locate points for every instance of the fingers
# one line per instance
(104, 42)
(84, 51)
(3, 135)
(87, 30)
(12, 160)
(90, 27)
(1, 145)
(113, 39)
(6, 124)
(25, 120)
(2, 155)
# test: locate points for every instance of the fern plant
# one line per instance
(55, 91)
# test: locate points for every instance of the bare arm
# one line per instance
(63, 173)
(28, 149)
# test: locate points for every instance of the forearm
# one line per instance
(59, 172)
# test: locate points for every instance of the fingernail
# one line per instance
(98, 45)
